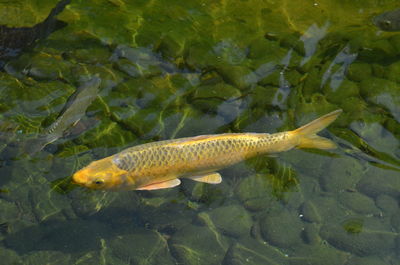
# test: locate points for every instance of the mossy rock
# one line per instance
(9, 211)
(282, 229)
(374, 183)
(375, 86)
(329, 209)
(387, 204)
(317, 254)
(358, 71)
(310, 234)
(309, 212)
(395, 221)
(209, 98)
(85, 204)
(358, 202)
(363, 243)
(48, 257)
(152, 249)
(140, 62)
(25, 13)
(370, 260)
(198, 245)
(250, 250)
(49, 67)
(346, 89)
(206, 193)
(231, 220)
(198, 123)
(377, 137)
(263, 96)
(48, 205)
(66, 236)
(255, 192)
(104, 135)
(340, 178)
(9, 256)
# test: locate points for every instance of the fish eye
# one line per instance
(386, 23)
(98, 181)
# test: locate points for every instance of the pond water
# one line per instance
(172, 69)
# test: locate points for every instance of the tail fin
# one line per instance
(307, 134)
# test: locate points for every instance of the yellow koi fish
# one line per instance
(159, 165)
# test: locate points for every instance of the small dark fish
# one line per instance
(73, 111)
(388, 21)
(13, 40)
(5, 228)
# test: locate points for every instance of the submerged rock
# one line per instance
(255, 192)
(344, 173)
(197, 245)
(282, 229)
(362, 243)
(358, 202)
(316, 255)
(329, 209)
(232, 220)
(309, 212)
(387, 204)
(249, 251)
(395, 221)
(310, 234)
(208, 98)
(142, 247)
(374, 183)
(370, 260)
(8, 256)
(47, 257)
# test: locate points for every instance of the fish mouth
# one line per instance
(80, 178)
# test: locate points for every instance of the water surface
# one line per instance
(173, 69)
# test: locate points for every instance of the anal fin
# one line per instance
(161, 185)
(211, 178)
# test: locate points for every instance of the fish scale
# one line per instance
(212, 150)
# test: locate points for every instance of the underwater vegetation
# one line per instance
(173, 69)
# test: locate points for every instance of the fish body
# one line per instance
(388, 21)
(72, 112)
(15, 39)
(160, 164)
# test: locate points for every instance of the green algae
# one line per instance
(361, 242)
(173, 69)
(24, 13)
(353, 226)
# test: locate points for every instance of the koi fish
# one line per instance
(161, 164)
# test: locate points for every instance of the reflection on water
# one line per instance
(184, 69)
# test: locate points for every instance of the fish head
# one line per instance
(102, 175)
(388, 21)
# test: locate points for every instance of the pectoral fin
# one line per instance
(161, 185)
(211, 178)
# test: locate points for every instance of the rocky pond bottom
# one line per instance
(171, 69)
(289, 215)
